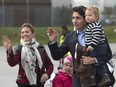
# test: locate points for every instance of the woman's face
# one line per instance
(78, 21)
(26, 34)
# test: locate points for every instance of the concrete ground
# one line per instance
(8, 74)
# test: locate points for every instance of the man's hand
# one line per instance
(88, 60)
(52, 34)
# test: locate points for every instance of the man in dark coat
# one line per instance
(71, 39)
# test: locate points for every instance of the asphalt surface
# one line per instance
(8, 74)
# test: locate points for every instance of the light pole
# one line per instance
(3, 13)
(27, 1)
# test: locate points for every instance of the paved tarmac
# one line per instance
(8, 74)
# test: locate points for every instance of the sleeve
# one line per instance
(47, 62)
(14, 57)
(57, 82)
(96, 34)
(58, 52)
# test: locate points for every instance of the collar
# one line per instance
(80, 32)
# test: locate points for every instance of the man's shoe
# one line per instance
(104, 81)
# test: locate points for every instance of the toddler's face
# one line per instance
(90, 16)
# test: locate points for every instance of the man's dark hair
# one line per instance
(80, 10)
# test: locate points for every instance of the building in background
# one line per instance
(37, 12)
(61, 12)
(49, 12)
(107, 8)
(16, 12)
(100, 3)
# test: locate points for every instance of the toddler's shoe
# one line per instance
(89, 83)
(104, 81)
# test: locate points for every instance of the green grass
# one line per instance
(40, 34)
(110, 34)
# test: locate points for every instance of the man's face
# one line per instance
(63, 32)
(78, 21)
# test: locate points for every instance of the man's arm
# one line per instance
(56, 52)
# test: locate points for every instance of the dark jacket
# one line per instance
(69, 45)
(15, 58)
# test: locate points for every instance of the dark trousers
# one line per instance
(76, 81)
(99, 70)
(99, 50)
(25, 85)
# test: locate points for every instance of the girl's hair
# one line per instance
(29, 26)
(80, 9)
(95, 10)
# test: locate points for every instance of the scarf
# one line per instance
(29, 55)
